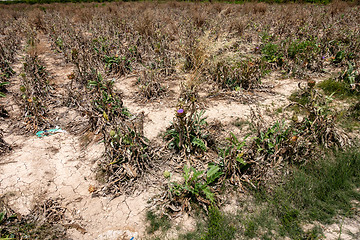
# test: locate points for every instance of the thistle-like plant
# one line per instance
(188, 131)
(195, 188)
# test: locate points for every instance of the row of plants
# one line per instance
(9, 46)
(301, 41)
(35, 88)
(310, 145)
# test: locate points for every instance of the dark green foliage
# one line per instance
(272, 138)
(326, 187)
(232, 160)
(118, 65)
(301, 49)
(300, 97)
(347, 85)
(318, 191)
(305, 53)
(219, 226)
(108, 101)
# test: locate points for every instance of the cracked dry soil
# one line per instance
(59, 167)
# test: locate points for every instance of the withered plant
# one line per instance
(35, 91)
(149, 85)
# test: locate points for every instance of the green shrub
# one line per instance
(303, 51)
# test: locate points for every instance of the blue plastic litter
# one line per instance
(132, 238)
(49, 132)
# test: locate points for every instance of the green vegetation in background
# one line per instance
(226, 1)
(54, 1)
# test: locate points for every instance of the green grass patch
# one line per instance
(350, 118)
(318, 191)
(299, 97)
(157, 223)
(217, 226)
(337, 88)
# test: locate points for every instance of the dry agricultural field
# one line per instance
(179, 120)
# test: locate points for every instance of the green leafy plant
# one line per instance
(195, 188)
(351, 77)
(117, 64)
(272, 54)
(233, 160)
(305, 53)
(339, 57)
(107, 104)
(269, 140)
(188, 131)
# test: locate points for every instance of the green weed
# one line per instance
(272, 138)
(303, 50)
(232, 160)
(336, 88)
(117, 64)
(317, 191)
(219, 227)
